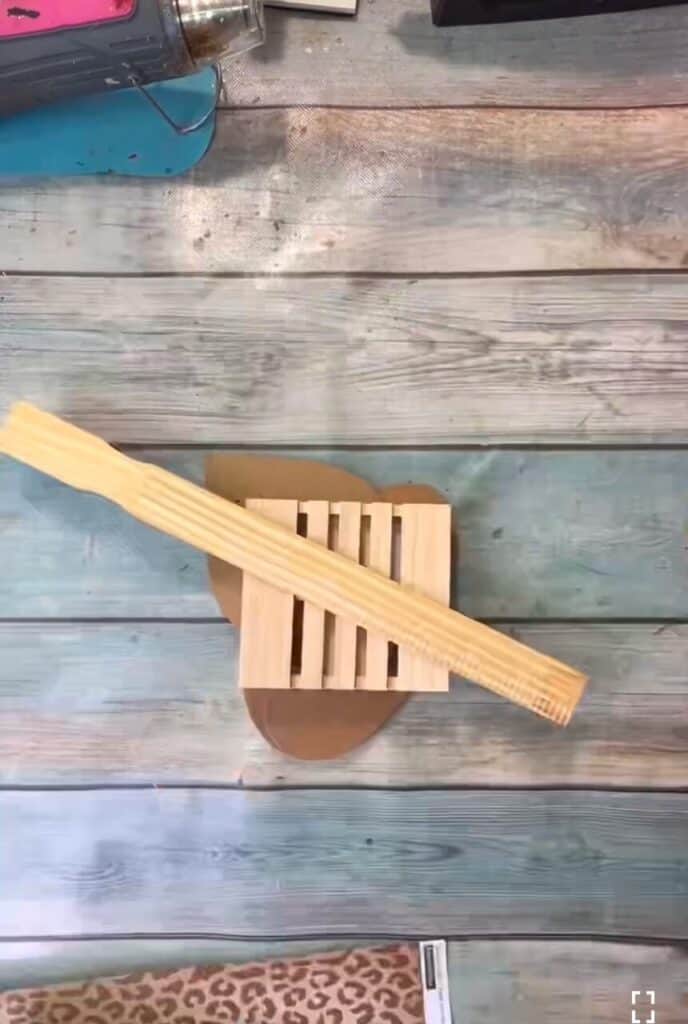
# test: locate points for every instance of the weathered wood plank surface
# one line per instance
(351, 360)
(392, 55)
(293, 190)
(316, 863)
(597, 534)
(158, 702)
(520, 982)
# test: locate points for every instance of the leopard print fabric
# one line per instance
(364, 986)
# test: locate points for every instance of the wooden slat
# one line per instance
(158, 702)
(613, 547)
(203, 861)
(425, 567)
(392, 55)
(554, 982)
(312, 647)
(544, 359)
(348, 541)
(265, 658)
(378, 557)
(359, 190)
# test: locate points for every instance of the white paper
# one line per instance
(327, 6)
(435, 976)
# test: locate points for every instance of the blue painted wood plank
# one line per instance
(343, 863)
(158, 702)
(599, 534)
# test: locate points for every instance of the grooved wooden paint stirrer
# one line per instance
(292, 563)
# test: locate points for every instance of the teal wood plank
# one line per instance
(597, 534)
(323, 863)
(527, 982)
(158, 702)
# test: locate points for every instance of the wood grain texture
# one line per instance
(425, 565)
(347, 543)
(313, 631)
(378, 555)
(158, 702)
(542, 535)
(346, 361)
(523, 982)
(392, 55)
(407, 191)
(266, 647)
(369, 360)
(316, 863)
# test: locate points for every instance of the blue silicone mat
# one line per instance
(112, 133)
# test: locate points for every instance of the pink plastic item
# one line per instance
(32, 17)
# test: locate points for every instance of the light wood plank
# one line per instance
(265, 652)
(379, 557)
(330, 190)
(347, 543)
(425, 567)
(312, 647)
(613, 545)
(392, 55)
(158, 702)
(131, 861)
(523, 982)
(345, 361)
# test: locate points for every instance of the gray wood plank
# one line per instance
(294, 190)
(585, 359)
(597, 534)
(526, 982)
(314, 863)
(392, 55)
(158, 702)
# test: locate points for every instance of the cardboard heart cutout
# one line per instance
(308, 725)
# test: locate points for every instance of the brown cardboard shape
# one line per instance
(308, 725)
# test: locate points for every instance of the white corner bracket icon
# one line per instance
(647, 997)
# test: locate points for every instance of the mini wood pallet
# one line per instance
(291, 644)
